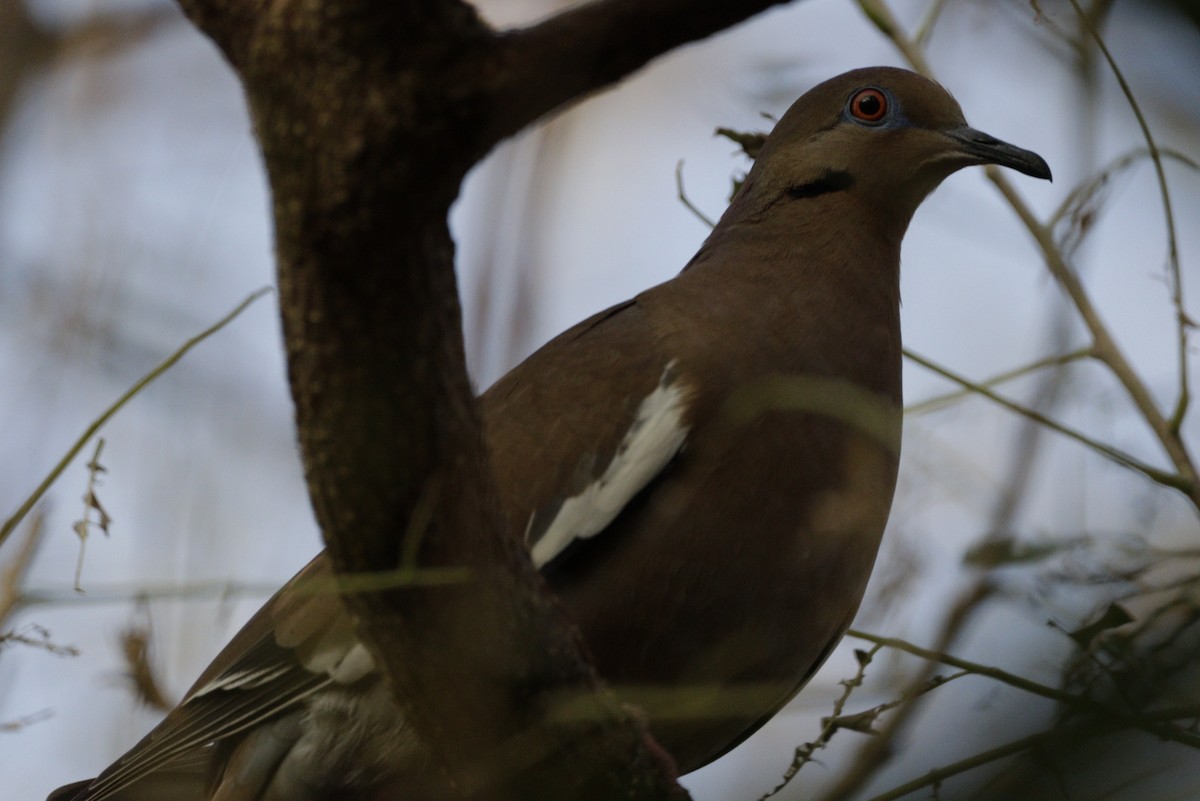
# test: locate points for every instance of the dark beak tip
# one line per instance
(1039, 168)
(991, 150)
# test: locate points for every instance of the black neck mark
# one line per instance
(831, 181)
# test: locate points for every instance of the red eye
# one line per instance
(869, 105)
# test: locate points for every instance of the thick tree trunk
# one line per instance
(370, 112)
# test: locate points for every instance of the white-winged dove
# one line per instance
(703, 474)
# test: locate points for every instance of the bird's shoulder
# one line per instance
(585, 423)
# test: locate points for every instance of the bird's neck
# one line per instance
(821, 275)
(831, 215)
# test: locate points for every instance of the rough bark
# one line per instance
(369, 113)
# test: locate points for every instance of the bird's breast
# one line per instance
(711, 599)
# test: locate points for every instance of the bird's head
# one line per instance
(887, 135)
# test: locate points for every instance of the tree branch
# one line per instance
(591, 46)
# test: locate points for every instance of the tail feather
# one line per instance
(176, 785)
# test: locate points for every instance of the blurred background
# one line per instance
(134, 213)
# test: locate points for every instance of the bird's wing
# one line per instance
(654, 436)
(293, 646)
(619, 429)
(582, 426)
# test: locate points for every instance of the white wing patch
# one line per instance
(357, 663)
(656, 435)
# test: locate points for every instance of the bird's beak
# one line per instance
(990, 150)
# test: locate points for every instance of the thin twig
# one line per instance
(925, 29)
(1116, 455)
(1183, 323)
(683, 198)
(432, 576)
(879, 749)
(12, 522)
(1122, 162)
(941, 401)
(806, 752)
(882, 18)
(35, 636)
(13, 575)
(91, 503)
(1076, 702)
(939, 775)
(16, 725)
(1104, 346)
(126, 593)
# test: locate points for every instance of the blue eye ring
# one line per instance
(869, 106)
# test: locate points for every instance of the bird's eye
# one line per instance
(868, 105)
